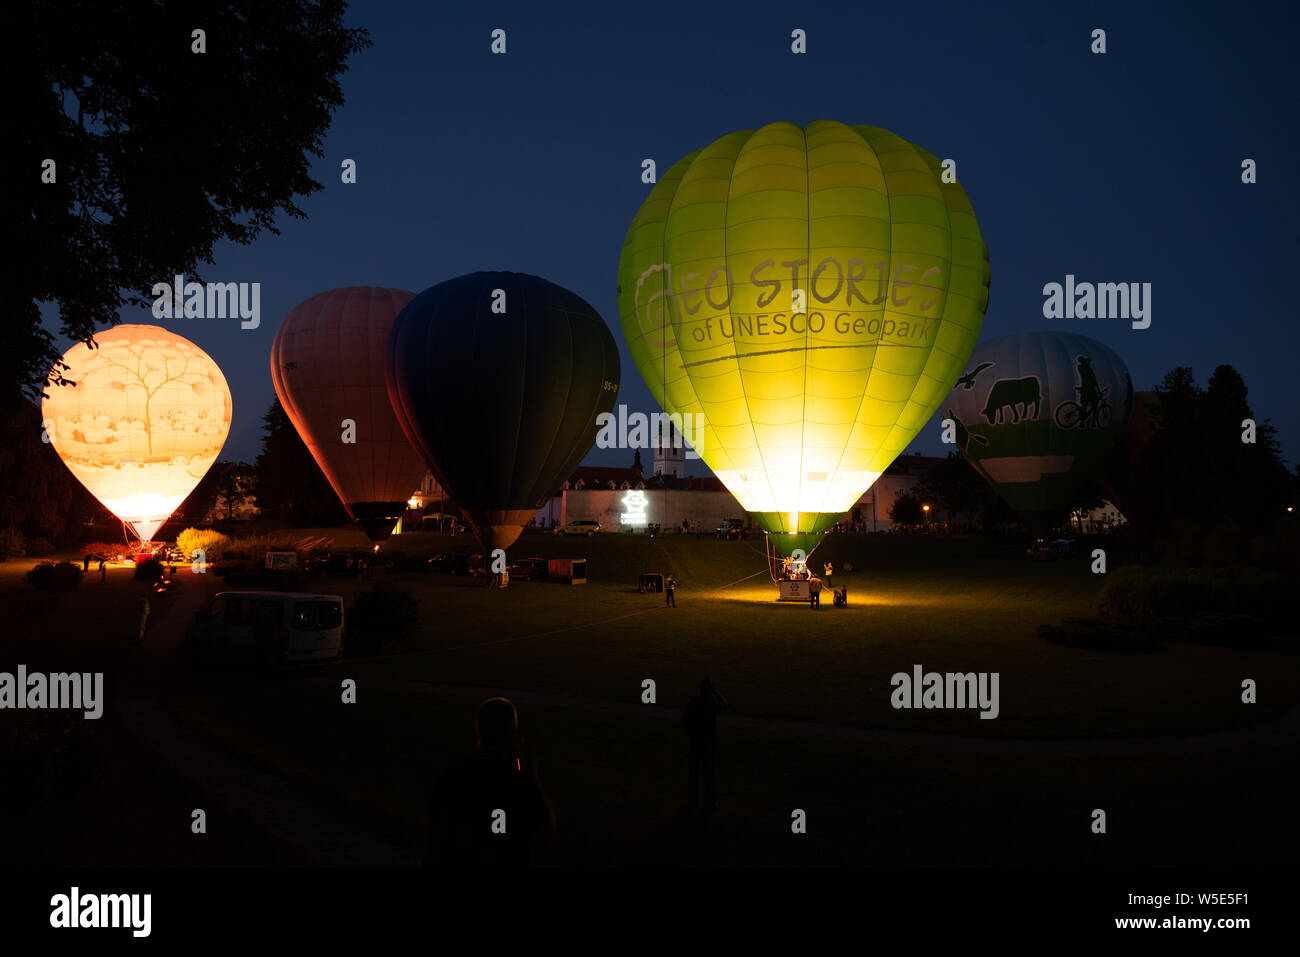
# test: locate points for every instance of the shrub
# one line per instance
(385, 612)
(255, 547)
(149, 570)
(106, 549)
(213, 543)
(39, 547)
(1139, 596)
(1143, 596)
(64, 576)
(1096, 633)
(11, 542)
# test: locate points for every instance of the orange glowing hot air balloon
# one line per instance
(147, 418)
(327, 363)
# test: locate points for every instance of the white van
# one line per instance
(275, 626)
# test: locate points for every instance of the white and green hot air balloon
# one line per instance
(1037, 413)
(806, 296)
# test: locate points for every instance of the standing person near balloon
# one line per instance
(142, 612)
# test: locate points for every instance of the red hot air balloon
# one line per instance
(327, 362)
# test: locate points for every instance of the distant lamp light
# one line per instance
(925, 508)
(413, 503)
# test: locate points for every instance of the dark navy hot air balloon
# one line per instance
(497, 379)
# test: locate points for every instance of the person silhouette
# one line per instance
(701, 723)
(670, 585)
(142, 609)
(486, 810)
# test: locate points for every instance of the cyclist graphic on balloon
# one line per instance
(1092, 411)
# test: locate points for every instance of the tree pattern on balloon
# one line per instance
(149, 368)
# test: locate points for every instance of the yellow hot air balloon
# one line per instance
(808, 295)
(147, 418)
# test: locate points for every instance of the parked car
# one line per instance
(731, 528)
(1043, 550)
(583, 527)
(267, 626)
(529, 569)
(449, 563)
(348, 564)
(457, 563)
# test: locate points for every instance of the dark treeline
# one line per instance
(1194, 488)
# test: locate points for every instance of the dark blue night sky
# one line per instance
(1124, 167)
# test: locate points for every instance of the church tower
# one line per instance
(669, 451)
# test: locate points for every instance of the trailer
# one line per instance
(570, 571)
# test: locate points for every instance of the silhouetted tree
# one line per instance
(1196, 473)
(97, 88)
(906, 510)
(288, 483)
(953, 485)
(222, 488)
(38, 494)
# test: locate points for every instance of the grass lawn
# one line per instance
(618, 785)
(617, 776)
(84, 629)
(946, 604)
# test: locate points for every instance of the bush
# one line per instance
(1210, 602)
(384, 613)
(213, 543)
(255, 547)
(105, 549)
(1095, 633)
(11, 542)
(1139, 596)
(39, 548)
(149, 570)
(64, 576)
